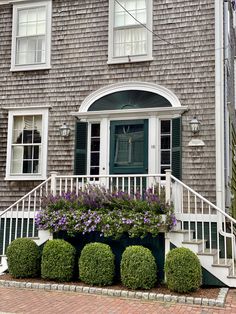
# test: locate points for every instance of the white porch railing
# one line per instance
(208, 222)
(18, 220)
(197, 215)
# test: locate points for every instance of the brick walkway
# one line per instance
(13, 300)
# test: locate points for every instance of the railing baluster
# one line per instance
(16, 227)
(210, 233)
(28, 218)
(10, 227)
(195, 211)
(203, 230)
(34, 211)
(4, 234)
(225, 244)
(232, 247)
(60, 186)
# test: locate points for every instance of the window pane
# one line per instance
(165, 126)
(22, 16)
(95, 130)
(165, 157)
(94, 159)
(95, 144)
(27, 166)
(165, 142)
(130, 42)
(31, 29)
(28, 150)
(94, 171)
(17, 157)
(17, 129)
(32, 15)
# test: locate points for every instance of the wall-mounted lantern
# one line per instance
(64, 130)
(194, 125)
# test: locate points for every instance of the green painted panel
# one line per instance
(156, 245)
(176, 148)
(80, 165)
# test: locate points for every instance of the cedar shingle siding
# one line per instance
(79, 67)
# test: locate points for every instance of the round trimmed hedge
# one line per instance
(23, 258)
(58, 260)
(138, 268)
(97, 264)
(183, 270)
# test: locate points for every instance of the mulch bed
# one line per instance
(204, 292)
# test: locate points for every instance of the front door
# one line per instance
(129, 147)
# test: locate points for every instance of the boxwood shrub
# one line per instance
(58, 260)
(183, 270)
(23, 257)
(97, 264)
(138, 268)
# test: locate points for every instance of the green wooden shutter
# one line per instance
(176, 148)
(81, 148)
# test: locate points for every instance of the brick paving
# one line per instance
(15, 300)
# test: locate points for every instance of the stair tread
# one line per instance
(222, 263)
(193, 241)
(208, 252)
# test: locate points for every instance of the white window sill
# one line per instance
(129, 59)
(29, 68)
(25, 178)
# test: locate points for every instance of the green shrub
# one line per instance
(23, 257)
(183, 270)
(138, 268)
(96, 264)
(58, 260)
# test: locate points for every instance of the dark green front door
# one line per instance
(129, 147)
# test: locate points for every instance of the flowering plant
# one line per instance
(109, 213)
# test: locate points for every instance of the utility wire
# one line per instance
(157, 35)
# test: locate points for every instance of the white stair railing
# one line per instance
(209, 223)
(18, 220)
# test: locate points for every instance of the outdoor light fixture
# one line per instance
(64, 130)
(194, 125)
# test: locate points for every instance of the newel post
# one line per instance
(54, 182)
(168, 186)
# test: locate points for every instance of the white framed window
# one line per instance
(94, 140)
(31, 36)
(130, 31)
(165, 145)
(27, 144)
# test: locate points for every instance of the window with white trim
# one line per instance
(27, 145)
(31, 36)
(130, 31)
(94, 157)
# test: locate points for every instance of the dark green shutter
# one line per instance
(81, 148)
(176, 148)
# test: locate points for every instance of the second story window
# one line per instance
(31, 36)
(130, 31)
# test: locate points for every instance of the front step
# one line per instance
(208, 258)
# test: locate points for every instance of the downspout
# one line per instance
(219, 103)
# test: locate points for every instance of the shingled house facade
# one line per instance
(127, 77)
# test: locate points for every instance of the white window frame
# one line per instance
(44, 136)
(129, 59)
(29, 5)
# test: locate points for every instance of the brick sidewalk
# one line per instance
(13, 300)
